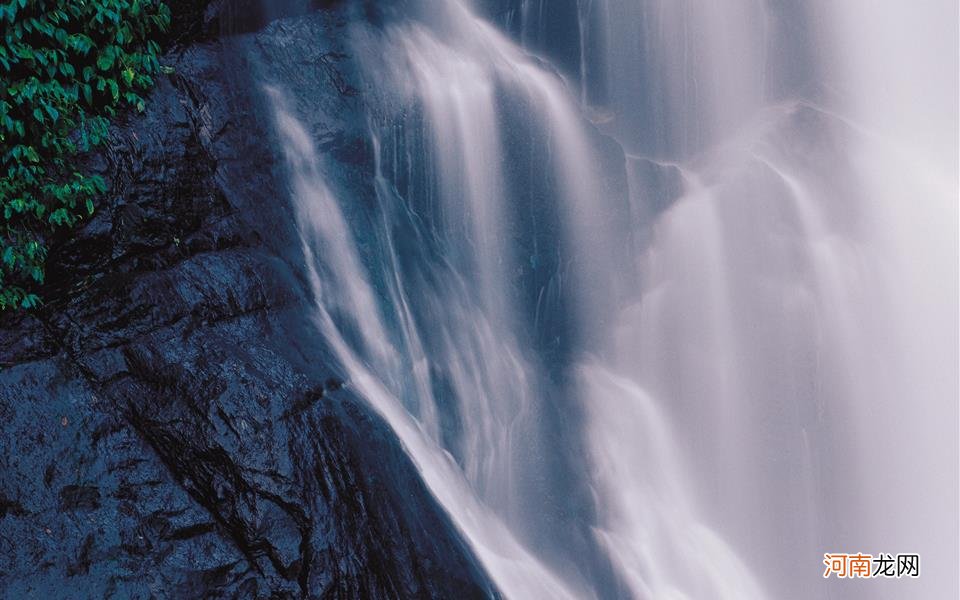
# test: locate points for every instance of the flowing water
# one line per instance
(670, 323)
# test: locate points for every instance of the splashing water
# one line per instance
(668, 377)
(510, 565)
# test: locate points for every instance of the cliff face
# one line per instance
(169, 427)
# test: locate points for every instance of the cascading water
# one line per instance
(784, 321)
(659, 373)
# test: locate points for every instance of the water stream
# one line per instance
(671, 324)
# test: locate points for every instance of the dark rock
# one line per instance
(662, 184)
(169, 427)
(79, 497)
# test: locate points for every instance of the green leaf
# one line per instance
(105, 60)
(66, 67)
(30, 301)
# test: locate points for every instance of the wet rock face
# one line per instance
(169, 427)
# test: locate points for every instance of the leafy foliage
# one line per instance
(66, 68)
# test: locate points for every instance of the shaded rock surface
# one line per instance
(169, 427)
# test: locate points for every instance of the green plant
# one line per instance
(66, 68)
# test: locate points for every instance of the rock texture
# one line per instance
(169, 427)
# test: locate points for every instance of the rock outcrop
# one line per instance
(169, 428)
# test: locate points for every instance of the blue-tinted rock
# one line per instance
(169, 427)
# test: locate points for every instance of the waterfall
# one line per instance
(783, 321)
(370, 361)
(650, 355)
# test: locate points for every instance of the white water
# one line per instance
(782, 380)
(511, 566)
(798, 316)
